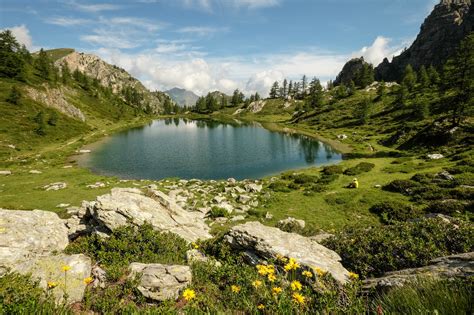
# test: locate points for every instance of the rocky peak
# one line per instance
(349, 71)
(440, 34)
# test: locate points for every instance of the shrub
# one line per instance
(401, 186)
(360, 168)
(332, 169)
(395, 211)
(448, 207)
(217, 212)
(131, 244)
(374, 251)
(304, 179)
(21, 295)
(279, 186)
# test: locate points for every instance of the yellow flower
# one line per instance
(194, 245)
(265, 270)
(353, 276)
(189, 294)
(319, 271)
(292, 265)
(298, 298)
(276, 290)
(88, 280)
(281, 258)
(235, 288)
(296, 285)
(257, 283)
(261, 306)
(307, 274)
(66, 268)
(52, 284)
(271, 277)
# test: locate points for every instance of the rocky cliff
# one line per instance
(440, 35)
(112, 76)
(349, 71)
(182, 97)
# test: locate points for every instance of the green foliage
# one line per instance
(374, 251)
(275, 90)
(363, 111)
(362, 167)
(428, 296)
(20, 295)
(365, 76)
(39, 120)
(44, 65)
(15, 96)
(395, 211)
(11, 61)
(425, 81)
(401, 186)
(217, 212)
(333, 169)
(131, 244)
(279, 186)
(409, 78)
(316, 95)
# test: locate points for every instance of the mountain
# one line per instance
(182, 97)
(442, 31)
(350, 71)
(117, 79)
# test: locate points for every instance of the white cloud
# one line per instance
(200, 30)
(94, 8)
(208, 5)
(66, 21)
(22, 35)
(379, 49)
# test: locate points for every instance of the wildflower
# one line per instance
(66, 268)
(271, 277)
(353, 276)
(319, 271)
(88, 280)
(189, 294)
(296, 285)
(261, 306)
(262, 270)
(257, 283)
(194, 245)
(235, 288)
(298, 298)
(281, 258)
(276, 290)
(292, 265)
(52, 285)
(307, 274)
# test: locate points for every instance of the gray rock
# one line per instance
(290, 223)
(244, 199)
(55, 186)
(49, 268)
(445, 175)
(124, 206)
(100, 277)
(268, 216)
(231, 181)
(63, 205)
(238, 218)
(5, 172)
(35, 172)
(435, 156)
(268, 242)
(226, 206)
(454, 266)
(253, 188)
(96, 185)
(25, 235)
(161, 282)
(219, 199)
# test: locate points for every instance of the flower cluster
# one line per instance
(291, 265)
(189, 294)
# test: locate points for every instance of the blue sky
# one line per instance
(204, 45)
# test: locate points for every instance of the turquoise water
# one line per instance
(205, 150)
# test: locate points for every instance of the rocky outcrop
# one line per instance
(291, 224)
(350, 71)
(454, 266)
(56, 98)
(257, 106)
(26, 235)
(112, 76)
(440, 35)
(124, 206)
(161, 282)
(183, 97)
(265, 242)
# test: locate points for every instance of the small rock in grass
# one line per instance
(63, 205)
(5, 172)
(435, 156)
(55, 186)
(35, 172)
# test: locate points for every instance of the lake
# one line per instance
(204, 149)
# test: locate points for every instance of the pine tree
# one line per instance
(352, 88)
(237, 98)
(224, 101)
(257, 96)
(65, 74)
(363, 111)
(274, 90)
(39, 120)
(14, 96)
(285, 89)
(201, 106)
(365, 76)
(381, 90)
(434, 76)
(11, 61)
(316, 94)
(290, 89)
(409, 78)
(43, 65)
(424, 77)
(304, 83)
(53, 119)
(402, 96)
(421, 109)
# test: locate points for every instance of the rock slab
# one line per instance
(269, 242)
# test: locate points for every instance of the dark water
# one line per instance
(205, 150)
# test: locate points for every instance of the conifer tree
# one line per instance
(434, 76)
(43, 65)
(274, 90)
(316, 94)
(424, 77)
(11, 62)
(14, 96)
(409, 78)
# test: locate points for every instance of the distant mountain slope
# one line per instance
(442, 31)
(119, 80)
(182, 97)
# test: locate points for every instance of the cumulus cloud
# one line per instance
(93, 8)
(22, 35)
(66, 21)
(379, 49)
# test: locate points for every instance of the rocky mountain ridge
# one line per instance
(182, 97)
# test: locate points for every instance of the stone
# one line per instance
(321, 237)
(257, 106)
(11, 146)
(239, 190)
(25, 235)
(226, 206)
(269, 242)
(290, 223)
(55, 186)
(454, 266)
(218, 199)
(231, 181)
(5, 172)
(130, 206)
(350, 71)
(63, 205)
(253, 188)
(84, 151)
(434, 156)
(161, 282)
(100, 277)
(238, 218)
(268, 216)
(49, 268)
(377, 186)
(244, 199)
(194, 255)
(35, 172)
(342, 137)
(67, 166)
(445, 175)
(96, 185)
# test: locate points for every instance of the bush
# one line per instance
(21, 295)
(217, 212)
(332, 170)
(401, 186)
(131, 244)
(360, 168)
(448, 207)
(279, 186)
(304, 179)
(395, 211)
(374, 251)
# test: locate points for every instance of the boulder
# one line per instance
(5, 172)
(268, 242)
(454, 266)
(434, 156)
(25, 235)
(50, 269)
(125, 206)
(253, 188)
(290, 224)
(161, 282)
(55, 186)
(445, 175)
